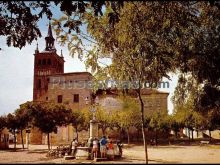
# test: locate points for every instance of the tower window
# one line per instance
(76, 98)
(39, 84)
(59, 98)
(44, 62)
(49, 61)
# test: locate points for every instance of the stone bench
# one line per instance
(204, 142)
(100, 159)
(82, 153)
(68, 157)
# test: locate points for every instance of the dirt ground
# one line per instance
(131, 154)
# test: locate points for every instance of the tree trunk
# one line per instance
(142, 125)
(128, 135)
(138, 133)
(188, 134)
(197, 133)
(77, 135)
(210, 136)
(156, 137)
(22, 140)
(14, 140)
(120, 134)
(176, 134)
(103, 131)
(48, 140)
(192, 134)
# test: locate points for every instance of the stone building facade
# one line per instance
(52, 84)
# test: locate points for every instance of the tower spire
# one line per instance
(61, 53)
(37, 50)
(49, 39)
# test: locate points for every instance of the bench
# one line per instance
(204, 142)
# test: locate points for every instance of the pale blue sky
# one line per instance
(17, 66)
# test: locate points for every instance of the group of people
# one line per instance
(104, 146)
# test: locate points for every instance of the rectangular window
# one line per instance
(76, 98)
(59, 98)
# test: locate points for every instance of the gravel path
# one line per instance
(131, 154)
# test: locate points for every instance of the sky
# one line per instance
(17, 69)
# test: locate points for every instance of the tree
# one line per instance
(12, 125)
(159, 123)
(211, 121)
(19, 19)
(200, 58)
(129, 116)
(3, 123)
(104, 119)
(199, 101)
(46, 119)
(87, 114)
(27, 14)
(174, 125)
(146, 46)
(77, 120)
(23, 118)
(189, 118)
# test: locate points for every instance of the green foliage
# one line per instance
(77, 119)
(2, 123)
(87, 114)
(188, 118)
(12, 125)
(105, 119)
(130, 114)
(159, 121)
(45, 116)
(12, 122)
(23, 116)
(19, 19)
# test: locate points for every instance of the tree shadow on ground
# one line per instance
(149, 161)
(15, 150)
(165, 147)
(163, 161)
(38, 151)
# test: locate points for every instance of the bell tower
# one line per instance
(46, 63)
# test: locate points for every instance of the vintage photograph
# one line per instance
(113, 82)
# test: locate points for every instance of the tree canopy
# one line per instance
(148, 41)
(18, 19)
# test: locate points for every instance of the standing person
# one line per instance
(74, 147)
(95, 148)
(111, 150)
(103, 149)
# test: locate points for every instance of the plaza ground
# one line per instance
(131, 154)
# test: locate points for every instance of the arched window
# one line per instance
(49, 61)
(44, 61)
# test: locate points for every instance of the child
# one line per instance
(111, 150)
